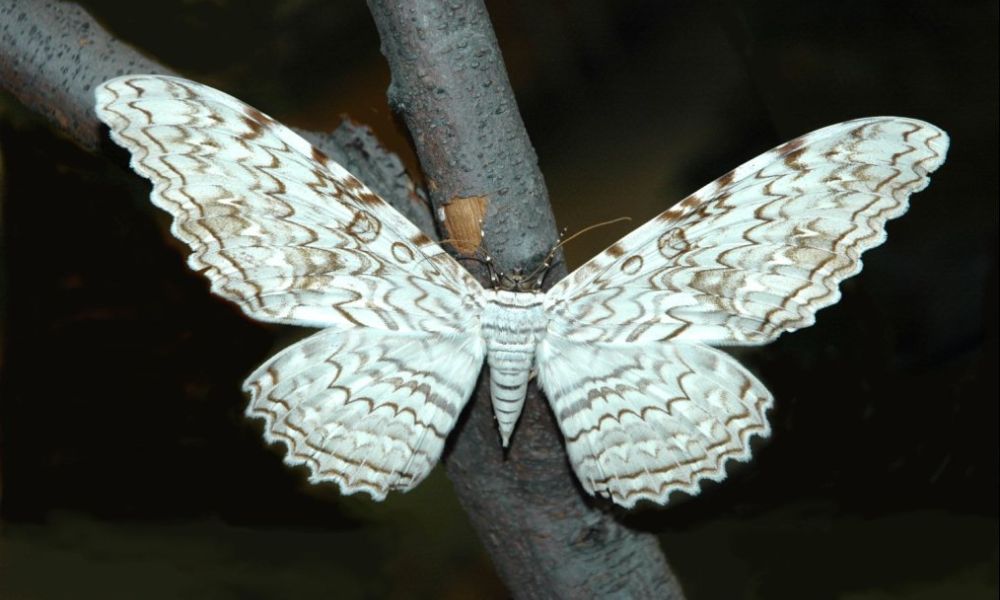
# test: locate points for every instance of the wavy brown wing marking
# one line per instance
(364, 408)
(642, 421)
(761, 249)
(277, 227)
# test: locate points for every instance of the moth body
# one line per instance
(512, 325)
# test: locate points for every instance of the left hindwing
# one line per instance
(364, 408)
(761, 249)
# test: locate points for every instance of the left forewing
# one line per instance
(276, 226)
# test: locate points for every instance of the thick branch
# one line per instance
(450, 86)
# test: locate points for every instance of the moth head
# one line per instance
(517, 281)
(520, 281)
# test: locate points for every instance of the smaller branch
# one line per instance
(355, 147)
(53, 55)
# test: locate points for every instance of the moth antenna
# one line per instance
(546, 264)
(494, 277)
(487, 259)
(454, 242)
(539, 273)
(479, 253)
(586, 229)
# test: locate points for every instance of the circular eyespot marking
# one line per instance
(632, 265)
(672, 243)
(364, 227)
(402, 253)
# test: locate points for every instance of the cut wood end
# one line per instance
(463, 219)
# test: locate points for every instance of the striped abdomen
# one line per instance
(512, 324)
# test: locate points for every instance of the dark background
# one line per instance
(129, 470)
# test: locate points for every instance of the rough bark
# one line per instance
(450, 86)
(52, 55)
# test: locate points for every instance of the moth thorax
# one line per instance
(512, 324)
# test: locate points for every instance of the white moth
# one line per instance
(622, 346)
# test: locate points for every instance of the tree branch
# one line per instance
(450, 86)
(53, 55)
